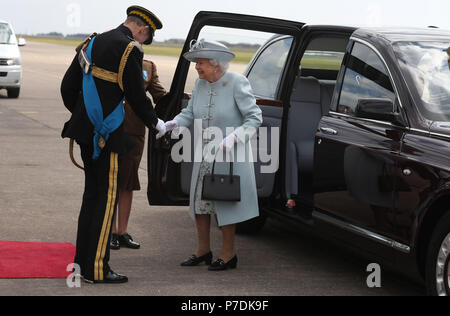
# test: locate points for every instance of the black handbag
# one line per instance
(220, 187)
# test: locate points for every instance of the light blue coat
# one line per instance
(227, 103)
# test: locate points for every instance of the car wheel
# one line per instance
(438, 259)
(13, 93)
(252, 226)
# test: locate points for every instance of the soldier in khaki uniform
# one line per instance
(129, 167)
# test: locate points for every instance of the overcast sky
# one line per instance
(87, 16)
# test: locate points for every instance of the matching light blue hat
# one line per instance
(208, 50)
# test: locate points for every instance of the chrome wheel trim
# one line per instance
(443, 268)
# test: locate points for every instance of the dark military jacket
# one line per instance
(132, 123)
(107, 53)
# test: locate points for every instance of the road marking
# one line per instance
(30, 112)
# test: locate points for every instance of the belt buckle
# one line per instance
(84, 62)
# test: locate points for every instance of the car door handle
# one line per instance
(328, 131)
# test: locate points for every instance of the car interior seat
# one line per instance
(304, 116)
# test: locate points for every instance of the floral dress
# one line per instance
(203, 207)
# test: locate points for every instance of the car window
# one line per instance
(266, 72)
(323, 57)
(366, 77)
(6, 34)
(426, 67)
(243, 43)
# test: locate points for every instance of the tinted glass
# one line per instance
(324, 53)
(366, 77)
(426, 66)
(266, 73)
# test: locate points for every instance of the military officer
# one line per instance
(106, 69)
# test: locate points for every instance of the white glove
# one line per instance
(161, 127)
(228, 142)
(171, 125)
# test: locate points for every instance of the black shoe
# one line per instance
(113, 278)
(114, 244)
(127, 241)
(193, 260)
(220, 265)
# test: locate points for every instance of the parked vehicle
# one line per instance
(364, 119)
(10, 60)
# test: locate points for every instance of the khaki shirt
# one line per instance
(132, 123)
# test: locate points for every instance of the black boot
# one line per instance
(127, 241)
(113, 278)
(115, 245)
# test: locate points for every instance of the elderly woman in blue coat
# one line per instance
(224, 101)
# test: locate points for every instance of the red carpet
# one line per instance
(25, 260)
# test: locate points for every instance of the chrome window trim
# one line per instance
(355, 39)
(363, 232)
(366, 120)
(420, 131)
(417, 130)
(439, 135)
(429, 133)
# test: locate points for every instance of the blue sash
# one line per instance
(94, 109)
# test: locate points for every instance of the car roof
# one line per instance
(393, 35)
(387, 34)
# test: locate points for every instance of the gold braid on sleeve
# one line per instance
(123, 62)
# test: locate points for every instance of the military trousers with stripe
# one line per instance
(97, 212)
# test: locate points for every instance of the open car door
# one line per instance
(169, 181)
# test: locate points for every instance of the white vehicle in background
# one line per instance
(10, 60)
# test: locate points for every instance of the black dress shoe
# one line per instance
(114, 244)
(193, 260)
(127, 241)
(113, 278)
(220, 265)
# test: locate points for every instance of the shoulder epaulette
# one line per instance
(83, 45)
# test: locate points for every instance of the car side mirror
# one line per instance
(21, 41)
(378, 109)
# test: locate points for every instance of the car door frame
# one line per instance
(335, 219)
(310, 32)
(158, 192)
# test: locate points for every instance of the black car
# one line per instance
(364, 137)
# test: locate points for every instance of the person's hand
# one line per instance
(161, 127)
(171, 125)
(228, 142)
